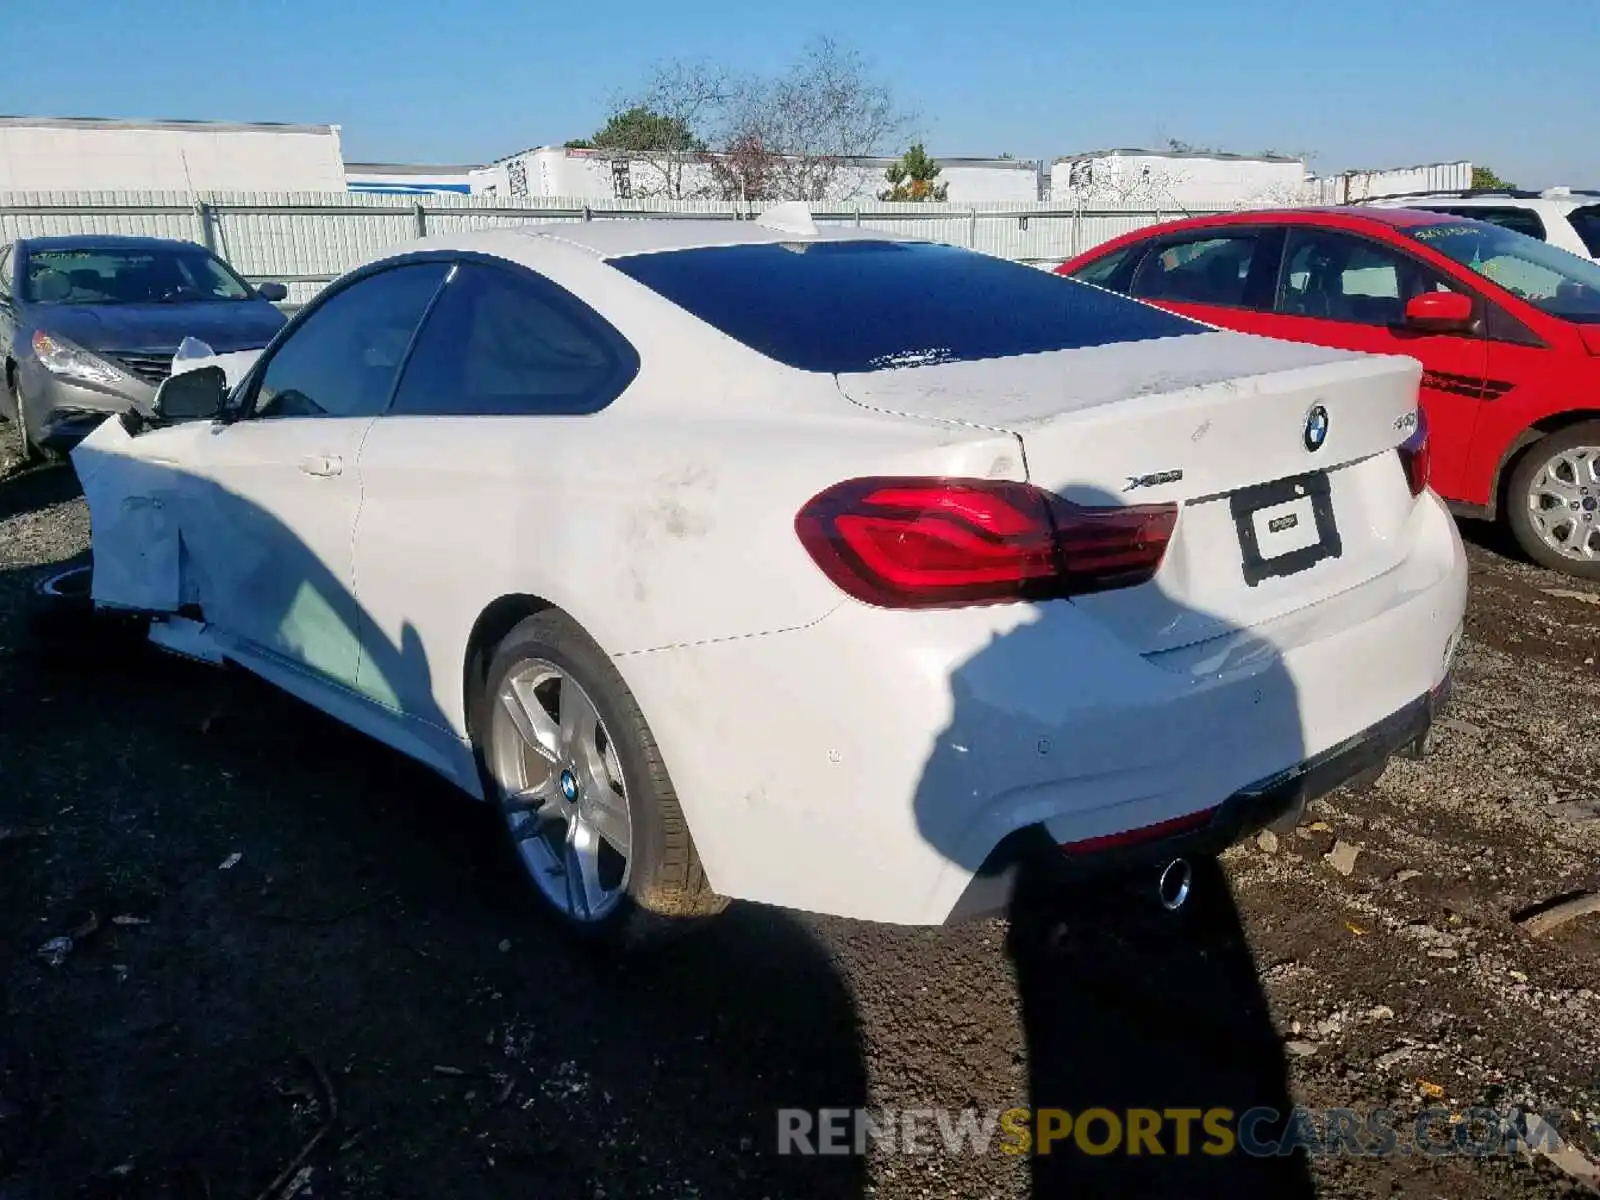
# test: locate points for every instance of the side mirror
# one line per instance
(1439, 312)
(272, 291)
(196, 395)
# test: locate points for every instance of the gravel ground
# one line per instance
(275, 923)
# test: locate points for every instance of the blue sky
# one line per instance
(1359, 83)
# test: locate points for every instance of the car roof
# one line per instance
(103, 241)
(614, 238)
(1347, 216)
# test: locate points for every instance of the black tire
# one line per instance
(32, 454)
(666, 888)
(1517, 501)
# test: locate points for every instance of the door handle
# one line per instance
(322, 464)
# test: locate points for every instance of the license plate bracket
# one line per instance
(1246, 503)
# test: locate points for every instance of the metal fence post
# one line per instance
(972, 229)
(208, 237)
(858, 216)
(421, 218)
(588, 213)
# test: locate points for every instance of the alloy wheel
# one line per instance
(561, 790)
(1564, 503)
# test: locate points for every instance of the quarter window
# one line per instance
(1104, 272)
(1335, 277)
(1208, 270)
(342, 360)
(503, 341)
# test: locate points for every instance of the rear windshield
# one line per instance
(1587, 222)
(850, 306)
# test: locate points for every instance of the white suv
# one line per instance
(1561, 216)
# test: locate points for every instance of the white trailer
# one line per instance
(557, 171)
(88, 154)
(1179, 180)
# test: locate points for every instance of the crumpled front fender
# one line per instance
(136, 492)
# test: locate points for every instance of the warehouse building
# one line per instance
(86, 154)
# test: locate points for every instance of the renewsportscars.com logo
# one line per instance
(1215, 1132)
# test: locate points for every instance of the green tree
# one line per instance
(913, 176)
(639, 130)
(1484, 177)
(649, 146)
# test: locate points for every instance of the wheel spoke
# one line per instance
(579, 721)
(533, 722)
(1556, 489)
(1589, 469)
(607, 814)
(583, 869)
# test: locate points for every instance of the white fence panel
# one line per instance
(307, 238)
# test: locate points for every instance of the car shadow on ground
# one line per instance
(1493, 536)
(24, 490)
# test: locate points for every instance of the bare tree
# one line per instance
(697, 129)
(815, 119)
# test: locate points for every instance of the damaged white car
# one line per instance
(817, 568)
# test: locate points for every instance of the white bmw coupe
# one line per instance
(818, 568)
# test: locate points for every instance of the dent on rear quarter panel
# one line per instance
(134, 537)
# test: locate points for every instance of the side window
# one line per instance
(504, 341)
(341, 362)
(1336, 277)
(1107, 272)
(5, 272)
(1205, 270)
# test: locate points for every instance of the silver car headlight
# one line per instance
(61, 357)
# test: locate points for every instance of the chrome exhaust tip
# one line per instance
(1173, 888)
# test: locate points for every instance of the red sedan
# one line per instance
(1507, 329)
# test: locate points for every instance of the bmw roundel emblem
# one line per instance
(1316, 431)
(569, 786)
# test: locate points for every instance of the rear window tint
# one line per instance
(851, 306)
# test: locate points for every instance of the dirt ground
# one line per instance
(277, 928)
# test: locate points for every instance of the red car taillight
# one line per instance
(1416, 455)
(935, 543)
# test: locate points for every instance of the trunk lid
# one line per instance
(1201, 421)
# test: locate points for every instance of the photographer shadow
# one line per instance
(1148, 1033)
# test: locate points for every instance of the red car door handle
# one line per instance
(322, 464)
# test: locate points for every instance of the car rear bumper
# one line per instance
(1278, 801)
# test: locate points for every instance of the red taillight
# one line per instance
(932, 543)
(1416, 455)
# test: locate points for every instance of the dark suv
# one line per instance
(89, 325)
